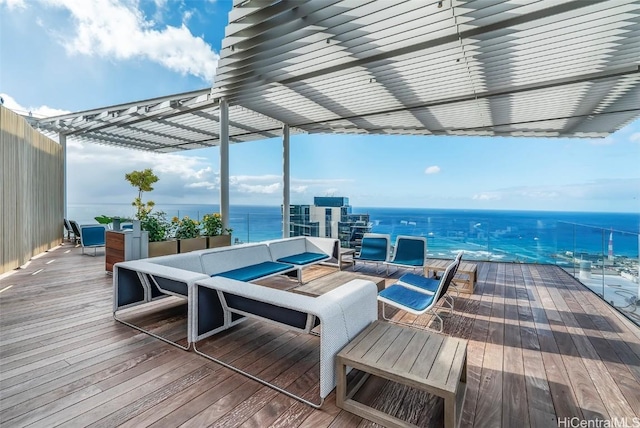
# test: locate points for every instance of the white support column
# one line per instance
(287, 181)
(62, 139)
(224, 163)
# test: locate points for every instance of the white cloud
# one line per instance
(265, 189)
(41, 111)
(601, 191)
(13, 4)
(118, 30)
(635, 137)
(299, 189)
(202, 185)
(434, 169)
(487, 196)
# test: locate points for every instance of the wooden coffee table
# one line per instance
(333, 280)
(417, 358)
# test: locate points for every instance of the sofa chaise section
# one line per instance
(341, 313)
(243, 262)
(303, 251)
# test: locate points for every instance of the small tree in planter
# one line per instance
(143, 181)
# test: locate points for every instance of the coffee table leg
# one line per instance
(341, 383)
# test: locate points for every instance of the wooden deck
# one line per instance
(541, 348)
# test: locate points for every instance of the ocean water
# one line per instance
(523, 236)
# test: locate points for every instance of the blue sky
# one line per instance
(69, 55)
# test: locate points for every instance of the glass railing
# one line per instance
(604, 260)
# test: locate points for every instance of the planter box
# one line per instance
(218, 241)
(192, 244)
(122, 245)
(163, 248)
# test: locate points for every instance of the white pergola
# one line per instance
(561, 68)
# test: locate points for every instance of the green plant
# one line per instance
(157, 225)
(142, 180)
(212, 225)
(104, 219)
(185, 228)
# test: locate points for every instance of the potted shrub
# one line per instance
(159, 229)
(212, 229)
(187, 232)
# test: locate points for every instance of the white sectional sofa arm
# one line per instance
(358, 307)
(170, 280)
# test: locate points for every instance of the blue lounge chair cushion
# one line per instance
(303, 258)
(410, 253)
(406, 297)
(93, 236)
(419, 281)
(249, 273)
(373, 249)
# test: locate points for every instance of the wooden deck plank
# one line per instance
(514, 411)
(586, 395)
(539, 400)
(541, 347)
(476, 346)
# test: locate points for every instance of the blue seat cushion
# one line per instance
(406, 297)
(249, 273)
(303, 258)
(419, 281)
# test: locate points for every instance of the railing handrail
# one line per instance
(610, 229)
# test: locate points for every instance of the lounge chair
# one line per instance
(430, 285)
(76, 231)
(417, 302)
(69, 229)
(409, 252)
(92, 236)
(374, 249)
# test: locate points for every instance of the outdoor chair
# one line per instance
(92, 236)
(69, 229)
(75, 227)
(414, 301)
(409, 252)
(374, 249)
(430, 285)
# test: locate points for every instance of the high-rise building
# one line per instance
(331, 217)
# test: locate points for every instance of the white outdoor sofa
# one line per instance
(216, 285)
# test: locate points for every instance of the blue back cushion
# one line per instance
(374, 249)
(93, 236)
(282, 315)
(409, 252)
